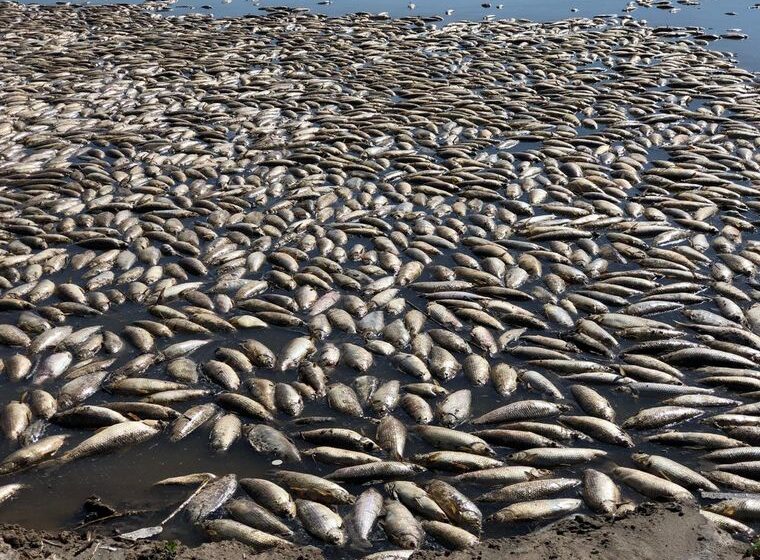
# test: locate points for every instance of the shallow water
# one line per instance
(125, 479)
(715, 16)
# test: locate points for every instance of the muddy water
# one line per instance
(125, 480)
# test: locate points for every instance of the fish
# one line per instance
(451, 278)
(32, 454)
(321, 522)
(215, 494)
(111, 438)
(228, 529)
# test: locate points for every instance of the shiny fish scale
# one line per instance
(297, 237)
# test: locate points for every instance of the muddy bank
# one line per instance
(653, 531)
(29, 544)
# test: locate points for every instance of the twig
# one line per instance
(85, 547)
(112, 516)
(183, 504)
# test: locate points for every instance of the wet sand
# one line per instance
(652, 531)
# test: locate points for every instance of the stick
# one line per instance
(112, 516)
(183, 504)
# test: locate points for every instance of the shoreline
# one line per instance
(652, 530)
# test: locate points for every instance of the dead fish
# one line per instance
(211, 497)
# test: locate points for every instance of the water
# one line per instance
(712, 15)
(125, 479)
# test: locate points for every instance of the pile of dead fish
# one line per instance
(525, 250)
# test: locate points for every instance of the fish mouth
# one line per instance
(337, 538)
(408, 542)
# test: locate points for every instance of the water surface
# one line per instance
(715, 16)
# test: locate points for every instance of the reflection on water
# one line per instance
(717, 17)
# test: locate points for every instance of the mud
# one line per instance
(652, 531)
(17, 543)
